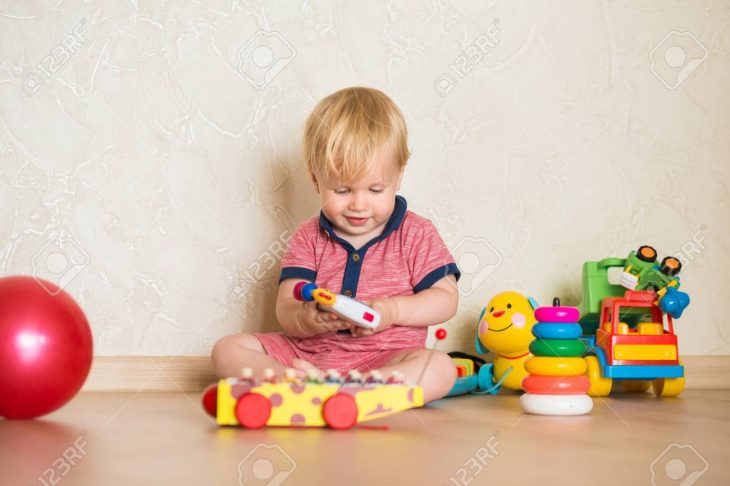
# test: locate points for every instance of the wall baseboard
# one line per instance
(194, 373)
(150, 373)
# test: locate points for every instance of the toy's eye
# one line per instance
(491, 309)
(509, 306)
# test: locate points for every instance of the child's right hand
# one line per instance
(314, 321)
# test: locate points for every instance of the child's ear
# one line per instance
(314, 181)
(400, 178)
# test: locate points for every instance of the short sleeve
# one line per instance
(299, 259)
(429, 260)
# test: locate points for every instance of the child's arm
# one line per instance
(303, 319)
(434, 305)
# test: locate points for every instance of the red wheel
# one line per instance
(340, 411)
(253, 410)
(210, 399)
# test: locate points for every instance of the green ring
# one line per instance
(562, 348)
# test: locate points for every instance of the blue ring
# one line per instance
(557, 330)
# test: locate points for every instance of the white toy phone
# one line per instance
(345, 307)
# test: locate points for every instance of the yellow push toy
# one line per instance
(338, 402)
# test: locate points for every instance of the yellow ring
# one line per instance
(548, 366)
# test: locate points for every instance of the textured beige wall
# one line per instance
(150, 162)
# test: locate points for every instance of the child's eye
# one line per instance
(376, 191)
(342, 190)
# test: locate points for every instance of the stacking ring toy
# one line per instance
(539, 365)
(556, 330)
(556, 404)
(557, 313)
(556, 385)
(557, 347)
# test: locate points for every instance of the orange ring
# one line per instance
(556, 385)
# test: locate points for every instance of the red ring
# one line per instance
(556, 385)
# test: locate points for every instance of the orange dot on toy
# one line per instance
(441, 334)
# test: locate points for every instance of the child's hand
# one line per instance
(388, 310)
(314, 321)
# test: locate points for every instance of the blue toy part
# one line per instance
(674, 302)
(306, 291)
(556, 330)
(533, 303)
(477, 343)
(485, 381)
(462, 386)
(478, 384)
(479, 346)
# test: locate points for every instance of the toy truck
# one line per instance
(644, 355)
(628, 335)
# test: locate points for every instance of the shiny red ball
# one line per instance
(441, 334)
(45, 347)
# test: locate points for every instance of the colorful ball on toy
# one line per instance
(45, 347)
(440, 334)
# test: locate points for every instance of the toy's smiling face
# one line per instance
(506, 325)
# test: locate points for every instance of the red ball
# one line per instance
(45, 347)
(440, 334)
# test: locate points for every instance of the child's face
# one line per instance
(362, 206)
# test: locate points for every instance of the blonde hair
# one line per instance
(348, 128)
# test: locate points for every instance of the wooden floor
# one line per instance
(165, 438)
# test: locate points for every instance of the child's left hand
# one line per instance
(388, 310)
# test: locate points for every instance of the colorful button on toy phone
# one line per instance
(557, 347)
(556, 330)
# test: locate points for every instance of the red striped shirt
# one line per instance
(408, 257)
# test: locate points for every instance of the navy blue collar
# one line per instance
(399, 212)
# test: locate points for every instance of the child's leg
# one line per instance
(434, 368)
(233, 353)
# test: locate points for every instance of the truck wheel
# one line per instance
(340, 411)
(210, 399)
(636, 386)
(668, 387)
(253, 410)
(646, 253)
(600, 386)
(670, 266)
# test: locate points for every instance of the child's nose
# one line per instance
(358, 202)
